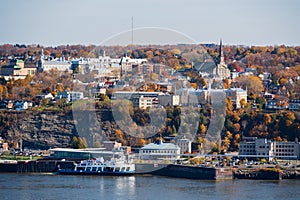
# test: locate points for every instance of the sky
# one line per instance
(237, 22)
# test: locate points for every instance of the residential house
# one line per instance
(277, 104)
(21, 105)
(294, 104)
(3, 104)
(70, 96)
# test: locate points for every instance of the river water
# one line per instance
(51, 186)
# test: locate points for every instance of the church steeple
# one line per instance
(221, 53)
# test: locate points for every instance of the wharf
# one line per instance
(33, 166)
(260, 174)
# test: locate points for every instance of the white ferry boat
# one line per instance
(114, 167)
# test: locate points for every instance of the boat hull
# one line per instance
(73, 172)
(194, 172)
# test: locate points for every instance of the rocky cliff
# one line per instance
(45, 129)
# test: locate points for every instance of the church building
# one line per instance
(217, 70)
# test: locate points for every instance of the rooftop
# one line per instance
(160, 146)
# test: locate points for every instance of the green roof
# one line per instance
(160, 146)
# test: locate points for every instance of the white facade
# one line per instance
(71, 96)
(286, 149)
(59, 65)
(185, 145)
(236, 95)
(160, 150)
(139, 99)
(263, 147)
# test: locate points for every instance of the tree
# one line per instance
(78, 143)
(229, 106)
(267, 119)
(203, 129)
(226, 83)
(243, 103)
(253, 84)
(1, 91)
(154, 76)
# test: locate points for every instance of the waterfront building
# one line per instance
(159, 151)
(184, 144)
(261, 147)
(286, 149)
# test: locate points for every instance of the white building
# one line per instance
(139, 99)
(236, 95)
(71, 96)
(57, 64)
(271, 149)
(185, 145)
(160, 150)
(294, 104)
(286, 149)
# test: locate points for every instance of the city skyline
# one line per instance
(92, 22)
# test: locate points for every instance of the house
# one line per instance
(44, 96)
(70, 96)
(3, 145)
(3, 104)
(21, 105)
(294, 104)
(159, 151)
(10, 104)
(277, 104)
(269, 96)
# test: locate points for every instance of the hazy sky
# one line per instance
(251, 22)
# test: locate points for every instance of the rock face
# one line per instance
(50, 129)
(37, 130)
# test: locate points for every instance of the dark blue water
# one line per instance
(48, 186)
